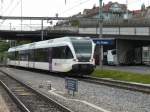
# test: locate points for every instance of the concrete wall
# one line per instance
(125, 51)
(140, 31)
(117, 31)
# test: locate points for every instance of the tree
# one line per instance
(4, 46)
(75, 23)
(23, 42)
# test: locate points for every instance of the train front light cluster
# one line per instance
(76, 60)
(91, 60)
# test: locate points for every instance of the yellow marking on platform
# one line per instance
(25, 94)
(3, 106)
(19, 90)
(22, 92)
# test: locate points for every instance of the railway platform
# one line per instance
(3, 105)
(89, 98)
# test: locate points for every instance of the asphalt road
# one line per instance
(134, 69)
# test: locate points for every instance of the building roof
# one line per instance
(106, 8)
(136, 12)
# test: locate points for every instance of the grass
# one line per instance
(123, 76)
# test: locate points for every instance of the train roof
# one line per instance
(48, 43)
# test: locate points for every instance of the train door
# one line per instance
(50, 59)
(31, 58)
(28, 60)
(17, 59)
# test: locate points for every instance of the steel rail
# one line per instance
(116, 83)
(48, 99)
(119, 84)
(19, 104)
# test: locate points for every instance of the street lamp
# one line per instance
(10, 26)
(42, 31)
(100, 34)
(21, 15)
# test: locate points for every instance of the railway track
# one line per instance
(119, 84)
(6, 102)
(112, 83)
(28, 99)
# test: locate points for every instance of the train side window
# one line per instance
(16, 55)
(45, 54)
(31, 55)
(62, 52)
(41, 55)
(56, 53)
(12, 55)
(9, 55)
(68, 53)
(145, 54)
(23, 55)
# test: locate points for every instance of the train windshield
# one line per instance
(83, 49)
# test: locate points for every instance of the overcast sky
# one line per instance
(51, 7)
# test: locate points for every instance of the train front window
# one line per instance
(83, 49)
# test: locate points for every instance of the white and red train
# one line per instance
(66, 54)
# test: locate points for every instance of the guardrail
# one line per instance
(140, 31)
(135, 31)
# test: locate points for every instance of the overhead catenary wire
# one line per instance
(8, 6)
(2, 3)
(79, 2)
(73, 2)
(16, 5)
(129, 3)
(77, 5)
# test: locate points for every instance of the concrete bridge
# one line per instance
(128, 35)
(126, 38)
(132, 33)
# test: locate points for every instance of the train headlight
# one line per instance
(79, 38)
(91, 60)
(75, 60)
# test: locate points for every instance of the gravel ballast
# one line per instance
(89, 98)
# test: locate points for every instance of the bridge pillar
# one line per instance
(125, 51)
